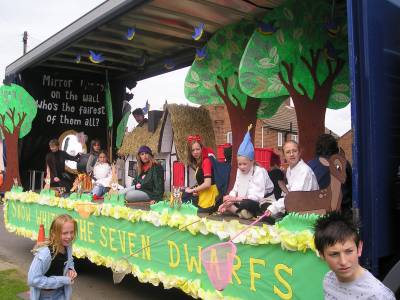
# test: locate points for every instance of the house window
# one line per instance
(280, 139)
(295, 137)
(229, 137)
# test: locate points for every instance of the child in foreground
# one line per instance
(52, 272)
(338, 242)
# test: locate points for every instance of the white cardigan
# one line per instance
(102, 174)
(253, 185)
(300, 178)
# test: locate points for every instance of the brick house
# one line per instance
(270, 133)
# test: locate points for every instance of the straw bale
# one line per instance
(134, 139)
(189, 120)
(185, 121)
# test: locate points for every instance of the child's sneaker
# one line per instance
(245, 214)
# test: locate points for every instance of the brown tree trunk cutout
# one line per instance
(11, 140)
(240, 119)
(310, 113)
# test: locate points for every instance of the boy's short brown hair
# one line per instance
(332, 228)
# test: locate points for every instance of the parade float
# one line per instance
(272, 262)
(250, 66)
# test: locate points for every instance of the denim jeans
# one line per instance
(57, 294)
(99, 190)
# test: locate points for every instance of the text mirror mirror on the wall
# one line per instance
(70, 143)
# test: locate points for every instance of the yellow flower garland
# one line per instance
(265, 234)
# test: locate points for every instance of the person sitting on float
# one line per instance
(205, 193)
(95, 148)
(299, 176)
(251, 184)
(55, 166)
(138, 115)
(277, 177)
(149, 181)
(101, 175)
(325, 147)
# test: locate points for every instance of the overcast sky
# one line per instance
(43, 18)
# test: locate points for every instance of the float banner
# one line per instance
(64, 102)
(259, 271)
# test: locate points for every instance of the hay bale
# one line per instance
(189, 120)
(134, 139)
(185, 121)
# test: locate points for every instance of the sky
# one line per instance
(43, 18)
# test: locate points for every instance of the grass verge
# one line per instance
(11, 284)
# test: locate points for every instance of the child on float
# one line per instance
(55, 166)
(299, 177)
(149, 181)
(205, 193)
(52, 272)
(251, 185)
(95, 149)
(101, 175)
(338, 242)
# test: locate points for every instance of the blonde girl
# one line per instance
(52, 272)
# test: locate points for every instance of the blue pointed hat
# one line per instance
(246, 148)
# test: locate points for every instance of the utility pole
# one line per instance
(25, 41)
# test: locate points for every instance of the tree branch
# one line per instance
(21, 119)
(237, 100)
(219, 91)
(333, 73)
(224, 82)
(313, 66)
(329, 64)
(302, 88)
(3, 124)
(288, 85)
(11, 114)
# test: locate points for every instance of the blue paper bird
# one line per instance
(146, 108)
(267, 28)
(332, 28)
(130, 34)
(95, 58)
(330, 52)
(201, 53)
(198, 32)
(78, 59)
(169, 64)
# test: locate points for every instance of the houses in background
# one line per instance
(269, 133)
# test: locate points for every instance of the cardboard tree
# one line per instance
(214, 80)
(300, 50)
(17, 111)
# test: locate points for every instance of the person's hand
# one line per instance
(268, 213)
(189, 190)
(222, 208)
(72, 275)
(229, 198)
(56, 179)
(138, 186)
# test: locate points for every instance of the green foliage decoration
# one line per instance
(17, 108)
(203, 84)
(299, 40)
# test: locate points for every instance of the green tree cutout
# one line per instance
(17, 111)
(214, 80)
(300, 50)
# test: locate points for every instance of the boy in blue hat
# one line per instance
(251, 184)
